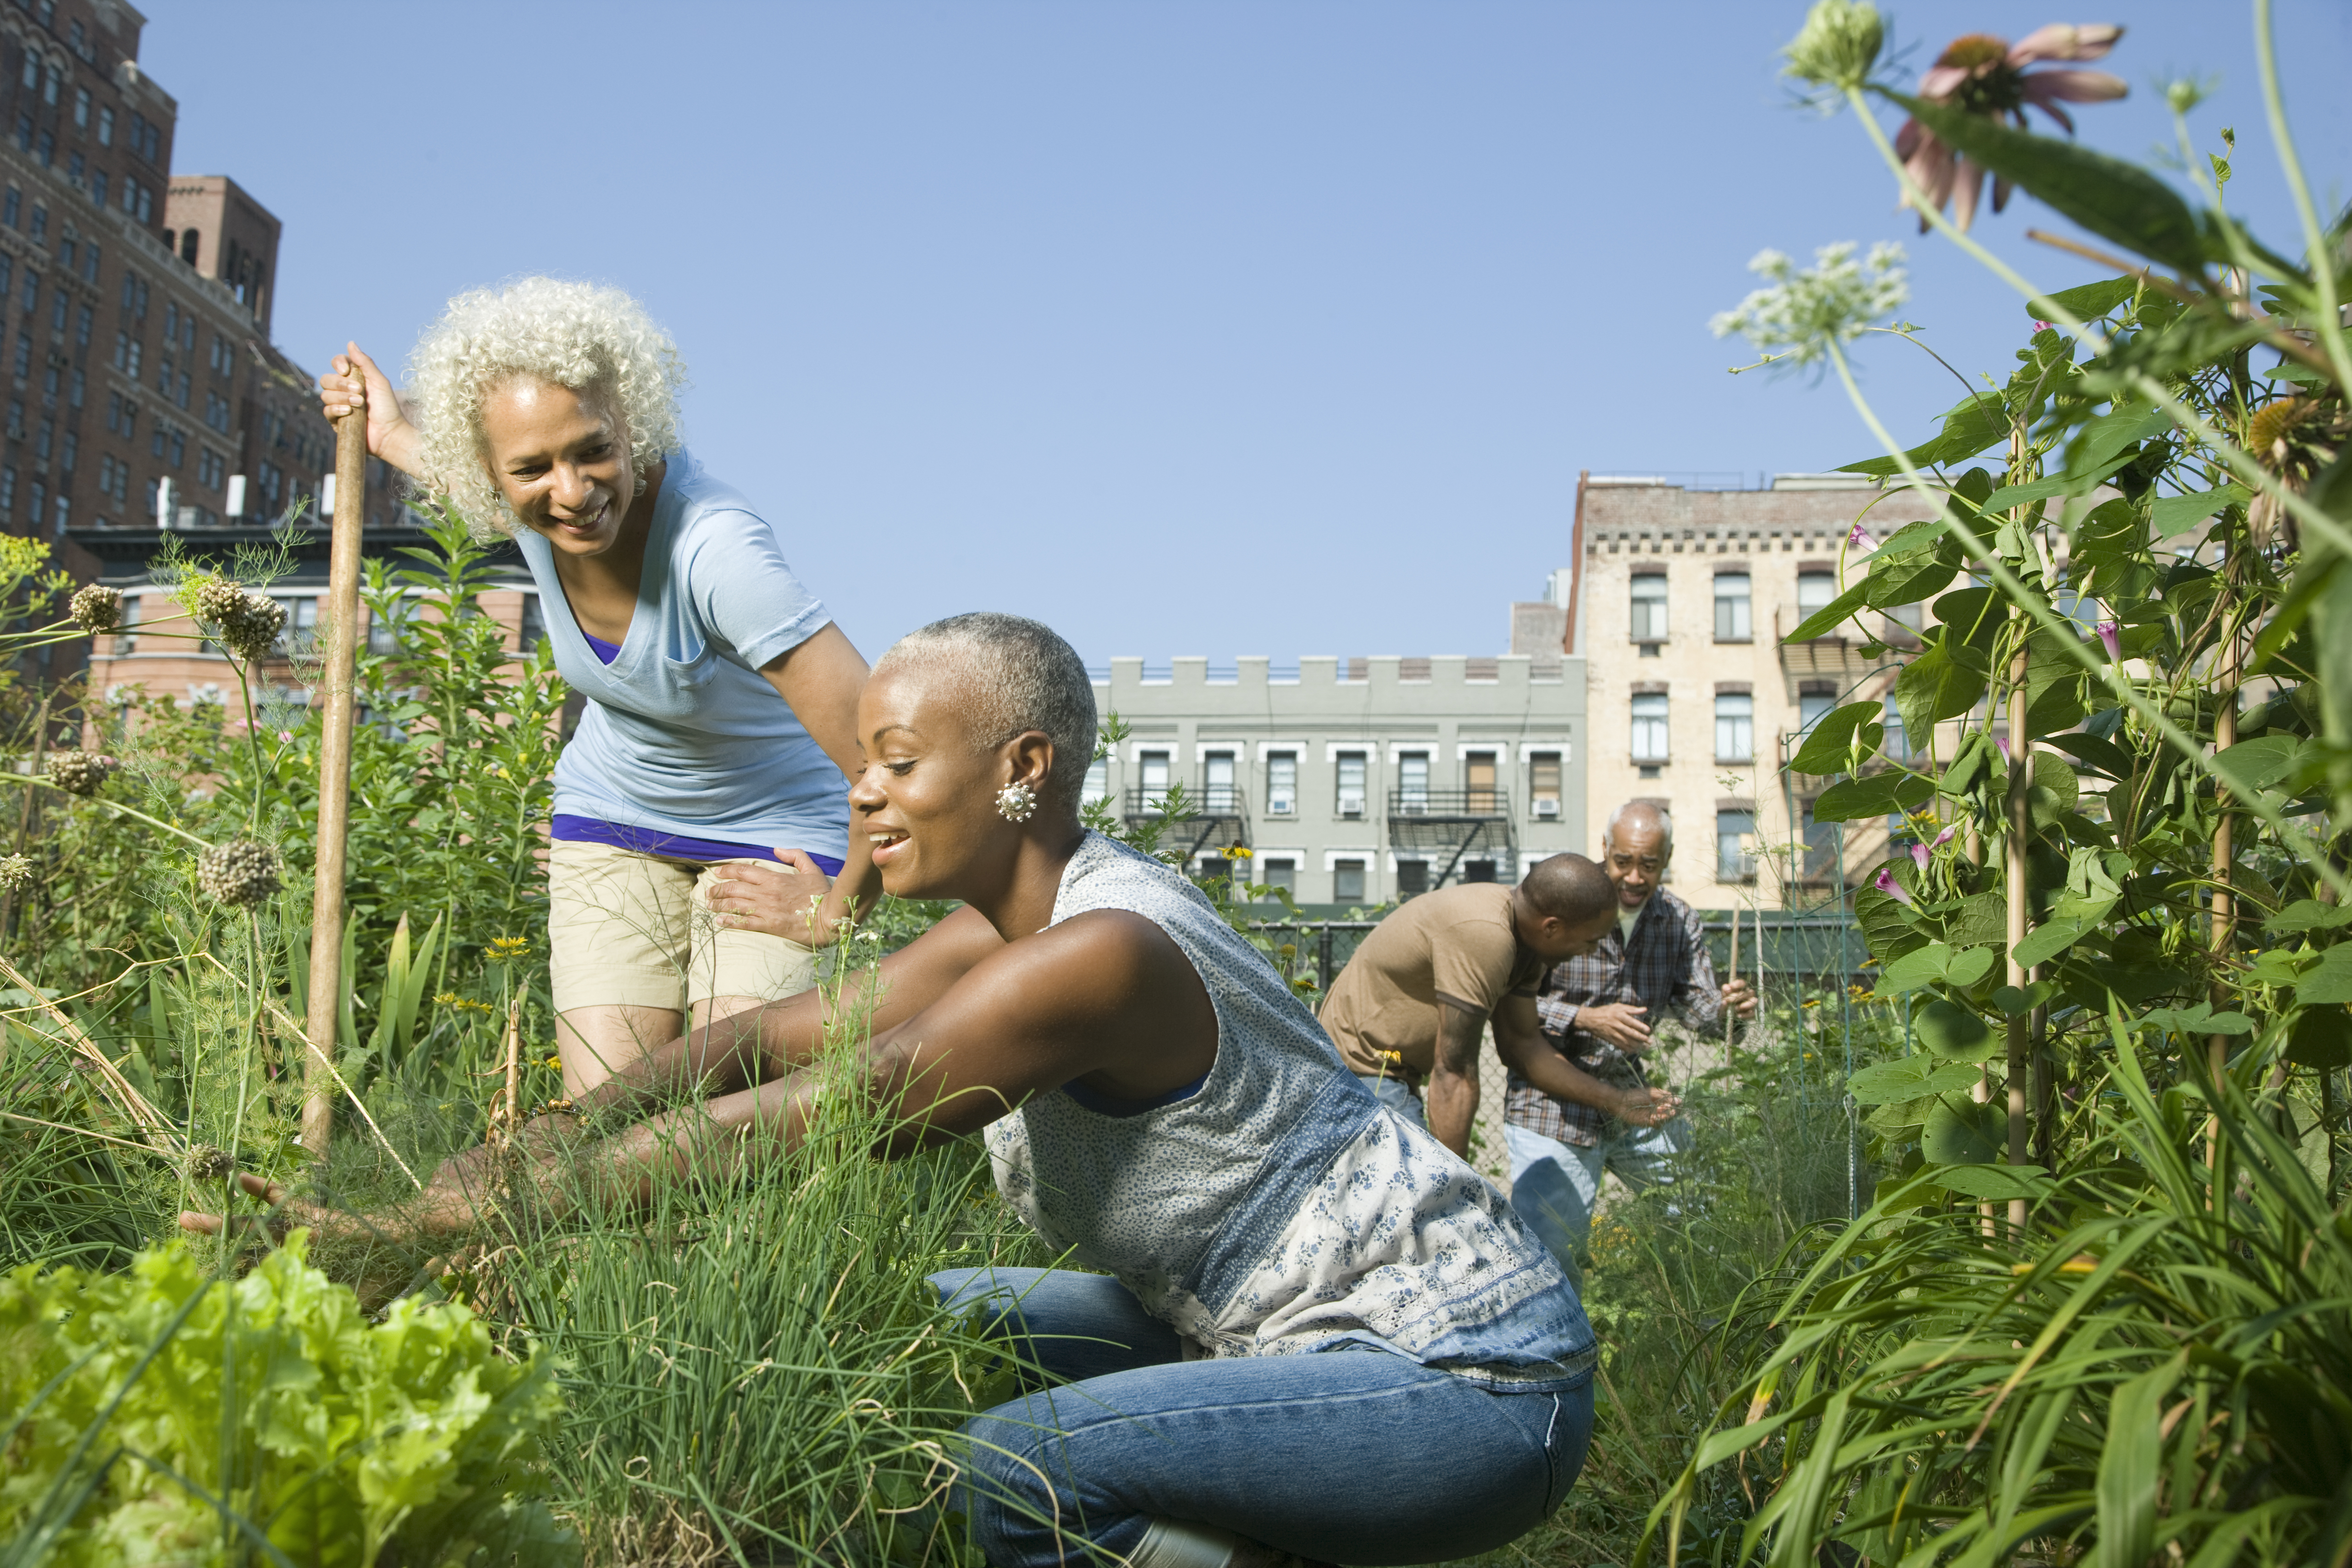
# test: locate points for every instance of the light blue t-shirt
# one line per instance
(683, 735)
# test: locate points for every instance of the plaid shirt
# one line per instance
(1662, 966)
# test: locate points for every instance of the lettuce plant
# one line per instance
(166, 1415)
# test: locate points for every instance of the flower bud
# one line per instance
(95, 608)
(1839, 45)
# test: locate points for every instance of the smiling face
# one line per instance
(926, 802)
(1636, 859)
(560, 458)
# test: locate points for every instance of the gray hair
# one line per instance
(573, 335)
(1638, 809)
(1016, 675)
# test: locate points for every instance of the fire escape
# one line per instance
(1204, 821)
(1465, 830)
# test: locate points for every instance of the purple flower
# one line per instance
(1945, 836)
(2002, 742)
(1920, 854)
(1887, 884)
(2111, 638)
(1858, 538)
(1984, 75)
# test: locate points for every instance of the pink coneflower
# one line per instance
(2111, 637)
(1887, 884)
(1981, 74)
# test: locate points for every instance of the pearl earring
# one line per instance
(1016, 803)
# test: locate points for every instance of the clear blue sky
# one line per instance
(1276, 327)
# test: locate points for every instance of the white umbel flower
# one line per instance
(1834, 301)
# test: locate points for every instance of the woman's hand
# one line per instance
(793, 900)
(356, 382)
(1646, 1107)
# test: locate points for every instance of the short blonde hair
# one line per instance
(573, 336)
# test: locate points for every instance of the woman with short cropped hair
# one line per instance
(699, 812)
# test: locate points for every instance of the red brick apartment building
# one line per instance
(139, 388)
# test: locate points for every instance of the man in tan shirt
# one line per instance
(1409, 1010)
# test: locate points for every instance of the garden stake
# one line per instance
(2020, 829)
(334, 778)
(2225, 736)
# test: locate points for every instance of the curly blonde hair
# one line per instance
(574, 335)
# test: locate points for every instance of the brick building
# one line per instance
(141, 386)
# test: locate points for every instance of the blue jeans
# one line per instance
(1554, 1185)
(1361, 1456)
(1399, 1096)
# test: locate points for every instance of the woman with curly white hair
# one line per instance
(702, 817)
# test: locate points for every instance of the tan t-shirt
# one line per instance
(1452, 945)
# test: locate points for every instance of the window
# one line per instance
(1735, 727)
(1281, 783)
(65, 506)
(211, 468)
(146, 204)
(301, 629)
(73, 168)
(1098, 785)
(37, 501)
(1732, 621)
(1650, 726)
(7, 487)
(1543, 782)
(1412, 878)
(1478, 781)
(1352, 790)
(83, 319)
(1822, 840)
(76, 386)
(383, 634)
(50, 82)
(98, 187)
(44, 148)
(1904, 623)
(68, 451)
(1279, 873)
(1153, 768)
(1650, 608)
(1814, 592)
(25, 132)
(32, 77)
(1217, 781)
(45, 438)
(106, 127)
(59, 305)
(1813, 702)
(190, 241)
(1895, 743)
(1477, 871)
(10, 206)
(24, 354)
(81, 94)
(126, 631)
(1735, 832)
(1412, 783)
(32, 292)
(1348, 881)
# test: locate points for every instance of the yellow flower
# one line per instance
(504, 948)
(1238, 852)
(556, 1062)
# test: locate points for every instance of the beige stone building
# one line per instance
(1677, 605)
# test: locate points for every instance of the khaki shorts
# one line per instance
(638, 930)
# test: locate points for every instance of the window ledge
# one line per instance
(1738, 640)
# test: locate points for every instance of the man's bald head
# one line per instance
(1643, 818)
(1639, 841)
(1571, 890)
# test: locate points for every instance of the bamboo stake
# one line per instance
(343, 618)
(2225, 736)
(1731, 972)
(2021, 833)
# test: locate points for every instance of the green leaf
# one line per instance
(1831, 616)
(1968, 966)
(1948, 1030)
(1993, 1182)
(2332, 981)
(1915, 970)
(2178, 514)
(2256, 765)
(1908, 1078)
(2091, 454)
(2104, 756)
(1829, 744)
(2201, 1019)
(1873, 795)
(1969, 426)
(1932, 687)
(2112, 199)
(1962, 1133)
(2045, 942)
(2085, 302)
(2322, 1039)
(2308, 914)
(1906, 576)
(2009, 496)
(2131, 1462)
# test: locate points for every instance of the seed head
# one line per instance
(95, 608)
(238, 873)
(206, 1163)
(1838, 46)
(15, 871)
(217, 599)
(250, 630)
(79, 772)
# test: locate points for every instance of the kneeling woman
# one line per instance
(1320, 1332)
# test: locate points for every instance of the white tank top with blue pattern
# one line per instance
(1278, 1208)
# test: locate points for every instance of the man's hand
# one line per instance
(1740, 998)
(1645, 1107)
(1617, 1022)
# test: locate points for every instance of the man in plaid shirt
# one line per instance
(1591, 1009)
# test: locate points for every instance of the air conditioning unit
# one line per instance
(1548, 808)
(1281, 805)
(1351, 809)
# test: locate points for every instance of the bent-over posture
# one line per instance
(1317, 1331)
